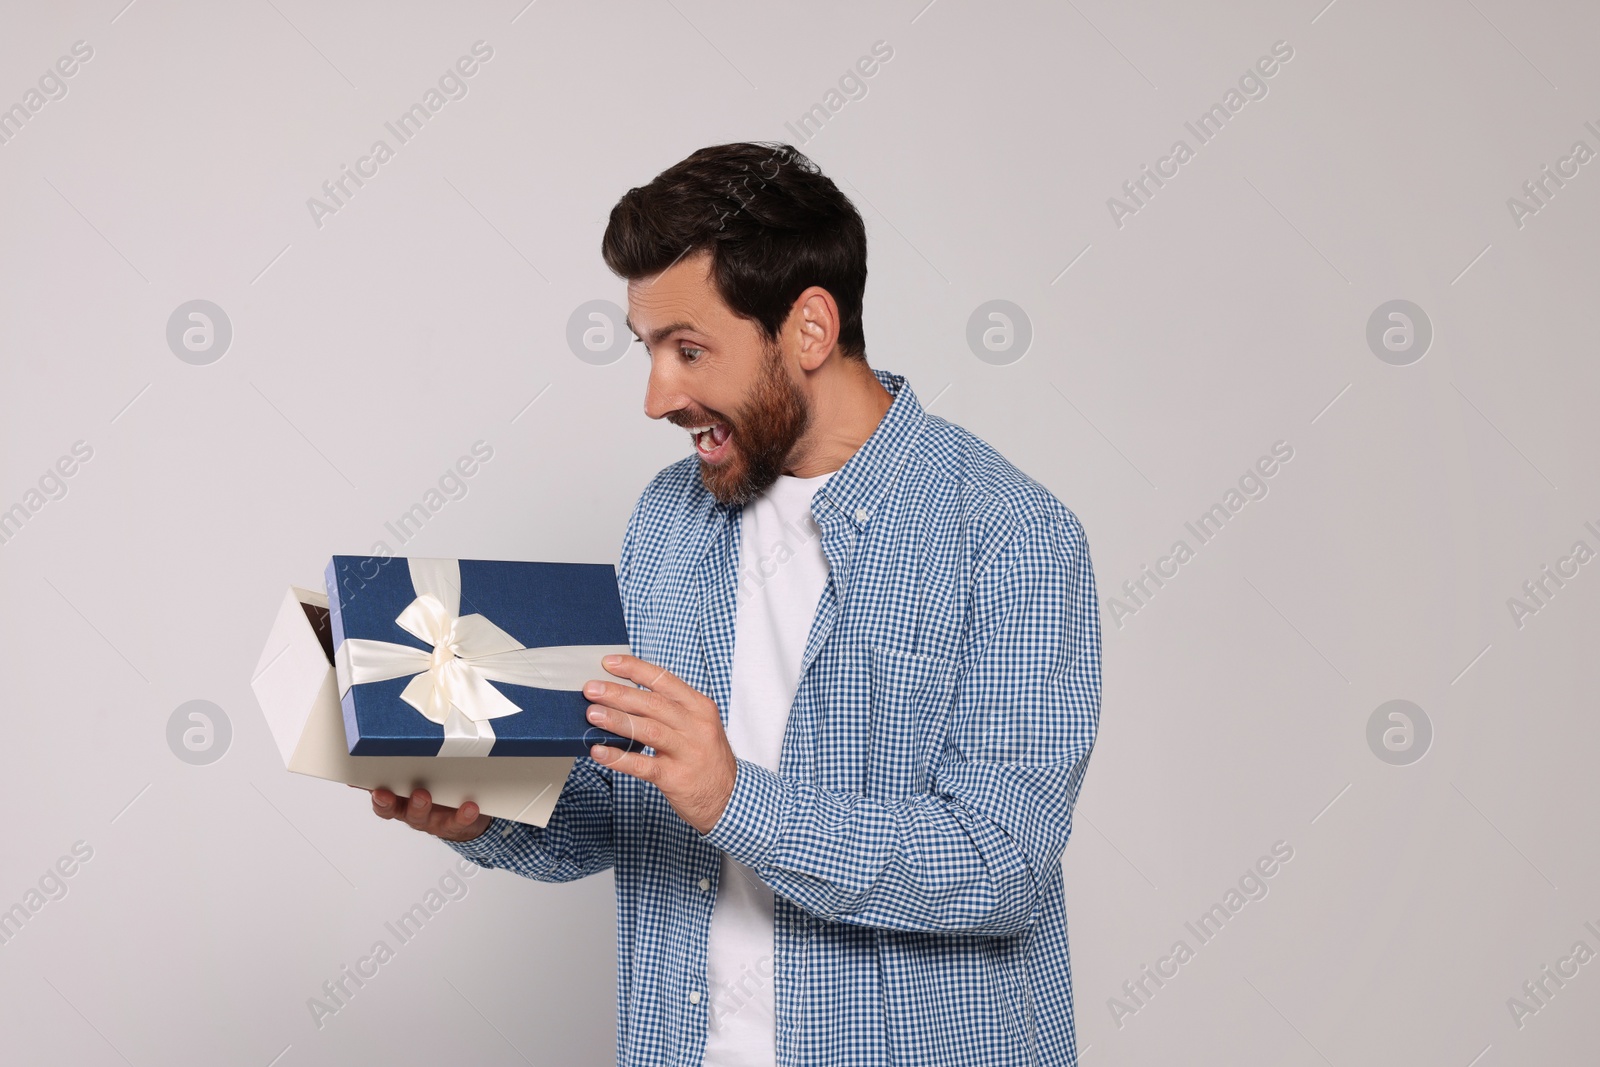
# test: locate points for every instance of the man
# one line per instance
(868, 670)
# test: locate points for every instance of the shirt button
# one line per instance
(694, 996)
(705, 884)
(862, 514)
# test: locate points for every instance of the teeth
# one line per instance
(703, 437)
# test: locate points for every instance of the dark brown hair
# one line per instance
(773, 222)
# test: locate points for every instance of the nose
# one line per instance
(663, 393)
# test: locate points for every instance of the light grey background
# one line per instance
(1167, 354)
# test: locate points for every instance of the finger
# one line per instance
(643, 731)
(640, 702)
(418, 808)
(386, 804)
(657, 679)
(635, 764)
(448, 823)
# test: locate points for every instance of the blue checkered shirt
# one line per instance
(948, 701)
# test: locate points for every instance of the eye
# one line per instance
(690, 353)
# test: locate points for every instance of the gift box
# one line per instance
(296, 685)
(471, 658)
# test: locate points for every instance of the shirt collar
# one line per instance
(858, 488)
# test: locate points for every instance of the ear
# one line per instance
(814, 323)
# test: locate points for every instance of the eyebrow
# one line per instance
(663, 332)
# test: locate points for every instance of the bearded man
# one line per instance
(866, 674)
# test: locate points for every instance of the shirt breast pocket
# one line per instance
(910, 696)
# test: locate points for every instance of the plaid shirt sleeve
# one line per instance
(576, 842)
(969, 854)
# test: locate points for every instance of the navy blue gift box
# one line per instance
(471, 657)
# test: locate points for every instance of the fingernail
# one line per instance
(595, 714)
(593, 689)
(381, 803)
(612, 661)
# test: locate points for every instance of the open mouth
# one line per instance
(711, 441)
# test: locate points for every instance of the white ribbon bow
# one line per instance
(451, 686)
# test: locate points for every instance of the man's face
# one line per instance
(714, 372)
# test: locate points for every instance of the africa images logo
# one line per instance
(452, 85)
(1210, 123)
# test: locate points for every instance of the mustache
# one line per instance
(678, 418)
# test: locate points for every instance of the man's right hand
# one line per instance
(420, 813)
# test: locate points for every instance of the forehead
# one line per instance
(684, 291)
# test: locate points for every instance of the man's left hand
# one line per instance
(693, 766)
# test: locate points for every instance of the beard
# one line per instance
(762, 434)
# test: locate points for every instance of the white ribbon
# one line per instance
(451, 686)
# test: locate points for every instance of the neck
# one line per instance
(847, 403)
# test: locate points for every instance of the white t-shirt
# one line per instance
(782, 573)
